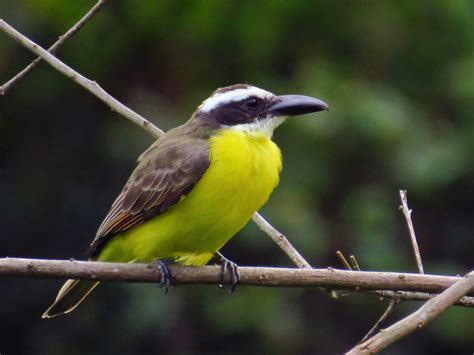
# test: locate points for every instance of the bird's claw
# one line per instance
(165, 275)
(233, 268)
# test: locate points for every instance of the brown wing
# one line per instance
(167, 171)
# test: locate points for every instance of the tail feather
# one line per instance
(69, 297)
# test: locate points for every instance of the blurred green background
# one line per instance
(399, 78)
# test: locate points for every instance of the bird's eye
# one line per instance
(252, 103)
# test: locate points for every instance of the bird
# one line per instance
(195, 187)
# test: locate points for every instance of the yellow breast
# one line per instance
(243, 172)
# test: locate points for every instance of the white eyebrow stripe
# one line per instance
(231, 96)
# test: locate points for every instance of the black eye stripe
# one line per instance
(247, 110)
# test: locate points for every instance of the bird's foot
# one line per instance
(166, 278)
(233, 268)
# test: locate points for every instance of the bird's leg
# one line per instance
(165, 275)
(233, 268)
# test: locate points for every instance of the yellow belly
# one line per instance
(243, 172)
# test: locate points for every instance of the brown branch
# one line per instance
(54, 48)
(257, 276)
(281, 241)
(417, 320)
(407, 213)
(123, 110)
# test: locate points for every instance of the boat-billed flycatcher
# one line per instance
(196, 186)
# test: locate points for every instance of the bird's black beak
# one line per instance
(293, 105)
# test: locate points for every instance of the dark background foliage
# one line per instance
(399, 79)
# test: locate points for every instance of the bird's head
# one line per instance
(248, 108)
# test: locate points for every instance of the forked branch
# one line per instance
(417, 320)
(54, 48)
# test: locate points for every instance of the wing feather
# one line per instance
(166, 172)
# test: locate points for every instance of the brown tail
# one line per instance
(69, 297)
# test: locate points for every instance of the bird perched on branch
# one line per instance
(195, 187)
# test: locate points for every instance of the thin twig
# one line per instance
(89, 85)
(417, 320)
(417, 296)
(343, 259)
(54, 48)
(355, 264)
(407, 213)
(259, 276)
(115, 105)
(385, 315)
(281, 241)
(466, 301)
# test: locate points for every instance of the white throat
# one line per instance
(264, 126)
